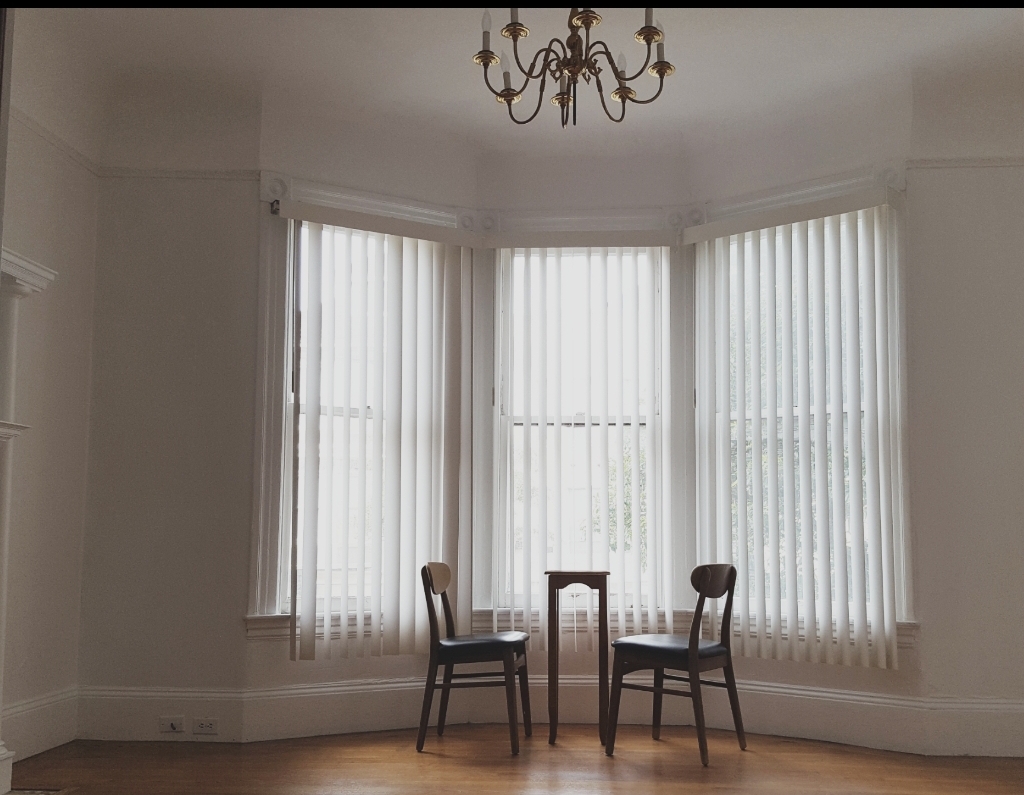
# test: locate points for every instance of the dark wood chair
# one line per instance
(693, 655)
(508, 648)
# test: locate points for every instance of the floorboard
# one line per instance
(476, 759)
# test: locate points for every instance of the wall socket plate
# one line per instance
(204, 725)
(171, 723)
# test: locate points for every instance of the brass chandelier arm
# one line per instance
(593, 54)
(542, 74)
(549, 49)
(600, 93)
(487, 82)
(540, 101)
(661, 85)
(608, 54)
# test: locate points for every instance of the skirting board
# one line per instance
(914, 724)
(38, 724)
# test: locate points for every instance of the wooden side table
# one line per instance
(598, 581)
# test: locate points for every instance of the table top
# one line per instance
(576, 572)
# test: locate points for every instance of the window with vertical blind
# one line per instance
(798, 423)
(580, 434)
(378, 436)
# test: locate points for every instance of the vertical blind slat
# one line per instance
(616, 307)
(833, 282)
(807, 265)
(723, 408)
(527, 441)
(742, 533)
(664, 464)
(557, 323)
(851, 283)
(872, 529)
(785, 277)
(310, 497)
(772, 412)
(542, 441)
(325, 542)
(632, 292)
(882, 303)
(410, 388)
(822, 526)
(424, 416)
(653, 524)
(360, 272)
(375, 391)
(602, 317)
(344, 280)
(757, 438)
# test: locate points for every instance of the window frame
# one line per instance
(328, 204)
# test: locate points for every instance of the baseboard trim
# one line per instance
(37, 724)
(967, 162)
(924, 724)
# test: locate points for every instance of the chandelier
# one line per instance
(567, 62)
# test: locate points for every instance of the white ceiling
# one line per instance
(414, 67)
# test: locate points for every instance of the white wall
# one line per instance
(167, 541)
(965, 357)
(50, 217)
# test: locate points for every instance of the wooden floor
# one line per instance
(476, 759)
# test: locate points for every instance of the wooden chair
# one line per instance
(639, 652)
(506, 647)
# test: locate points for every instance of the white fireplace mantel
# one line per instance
(29, 276)
(19, 277)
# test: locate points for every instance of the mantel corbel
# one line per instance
(11, 430)
(23, 275)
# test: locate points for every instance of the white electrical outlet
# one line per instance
(204, 725)
(172, 723)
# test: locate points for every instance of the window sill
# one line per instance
(277, 627)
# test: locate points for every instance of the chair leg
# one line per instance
(734, 702)
(510, 695)
(524, 690)
(698, 715)
(613, 706)
(659, 682)
(442, 712)
(428, 697)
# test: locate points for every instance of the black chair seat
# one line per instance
(672, 650)
(483, 641)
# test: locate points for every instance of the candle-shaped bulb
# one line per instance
(515, 15)
(485, 23)
(648, 17)
(661, 44)
(561, 85)
(505, 74)
(622, 66)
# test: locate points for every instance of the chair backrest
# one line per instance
(436, 578)
(712, 581)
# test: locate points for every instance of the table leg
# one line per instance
(602, 698)
(554, 637)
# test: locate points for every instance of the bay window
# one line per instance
(515, 410)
